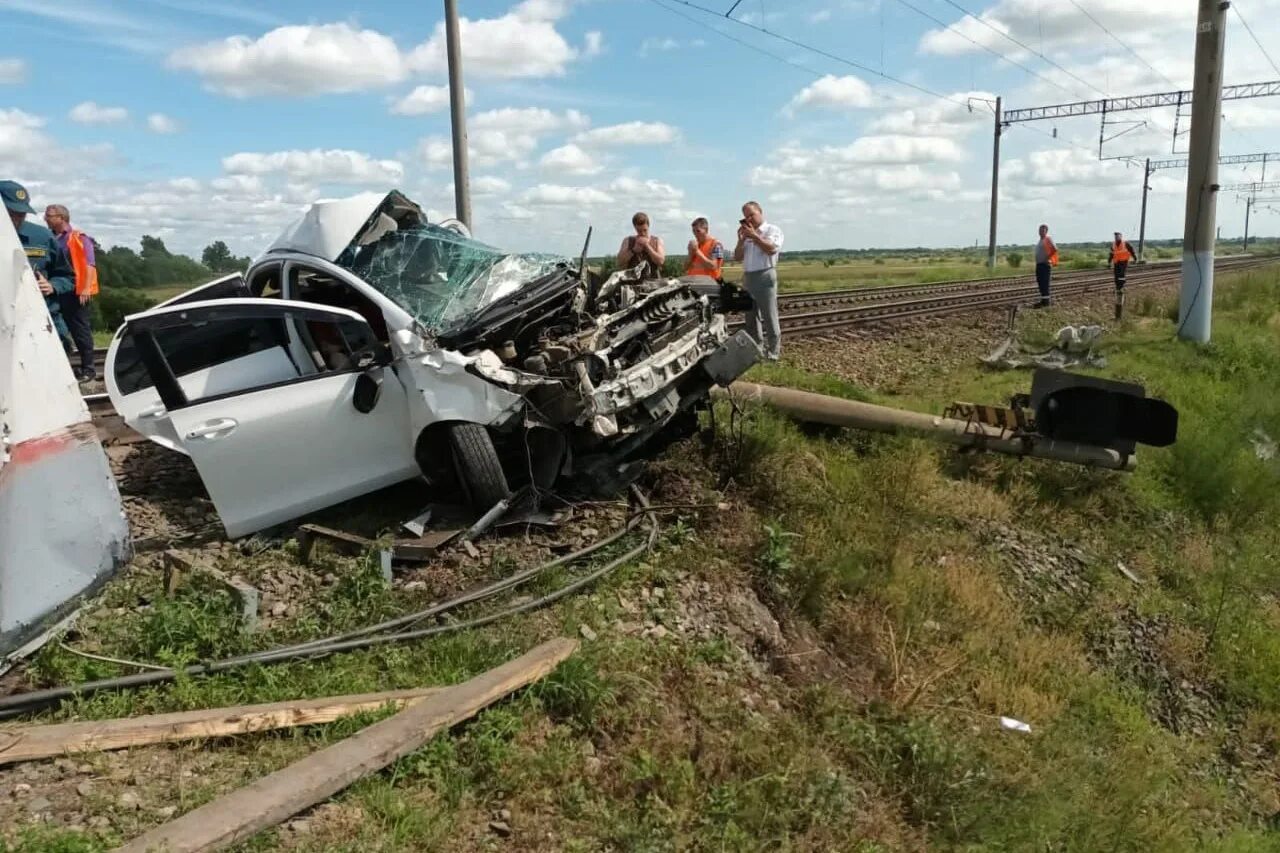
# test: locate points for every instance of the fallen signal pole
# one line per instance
(1070, 418)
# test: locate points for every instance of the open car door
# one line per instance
(275, 436)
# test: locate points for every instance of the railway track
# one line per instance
(807, 313)
(853, 308)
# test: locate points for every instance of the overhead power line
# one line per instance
(852, 63)
(1235, 8)
(1020, 44)
(988, 49)
(1121, 42)
(806, 69)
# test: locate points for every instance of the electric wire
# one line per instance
(1235, 7)
(1008, 37)
(1139, 56)
(853, 63)
(992, 50)
(23, 703)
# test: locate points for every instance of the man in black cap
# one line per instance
(48, 261)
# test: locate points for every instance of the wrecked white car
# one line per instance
(368, 346)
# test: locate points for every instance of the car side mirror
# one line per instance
(368, 390)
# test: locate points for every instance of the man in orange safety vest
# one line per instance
(1046, 259)
(1121, 254)
(78, 249)
(706, 254)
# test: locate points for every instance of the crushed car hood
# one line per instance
(436, 273)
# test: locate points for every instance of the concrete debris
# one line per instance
(1014, 725)
(1264, 446)
(1074, 346)
(47, 436)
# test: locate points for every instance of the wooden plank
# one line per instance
(34, 742)
(266, 802)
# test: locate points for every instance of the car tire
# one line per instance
(479, 470)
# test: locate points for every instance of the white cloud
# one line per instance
(510, 134)
(630, 133)
(893, 149)
(646, 190)
(833, 93)
(1053, 26)
(819, 16)
(89, 112)
(938, 118)
(237, 184)
(435, 151)
(21, 139)
(488, 185)
(12, 71)
(332, 166)
(555, 195)
(593, 43)
(531, 120)
(161, 123)
(522, 43)
(570, 160)
(423, 100)
(657, 45)
(296, 60)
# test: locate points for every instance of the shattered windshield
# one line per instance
(439, 276)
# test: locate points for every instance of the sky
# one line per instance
(855, 123)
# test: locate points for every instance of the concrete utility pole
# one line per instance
(1248, 203)
(458, 113)
(1142, 226)
(995, 190)
(1195, 303)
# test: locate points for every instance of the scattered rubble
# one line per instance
(1136, 647)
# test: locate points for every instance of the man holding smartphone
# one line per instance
(759, 244)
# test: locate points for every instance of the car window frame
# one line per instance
(142, 328)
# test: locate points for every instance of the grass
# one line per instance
(911, 626)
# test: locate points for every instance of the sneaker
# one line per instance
(86, 376)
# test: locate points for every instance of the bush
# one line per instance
(1014, 259)
(113, 304)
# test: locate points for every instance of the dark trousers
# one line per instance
(1043, 271)
(76, 317)
(1121, 268)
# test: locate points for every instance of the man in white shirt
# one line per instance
(759, 243)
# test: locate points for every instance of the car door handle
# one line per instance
(153, 412)
(210, 430)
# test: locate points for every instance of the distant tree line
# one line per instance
(125, 276)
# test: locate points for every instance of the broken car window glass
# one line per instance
(439, 276)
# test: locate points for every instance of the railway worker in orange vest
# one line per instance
(78, 249)
(1046, 260)
(1121, 253)
(706, 254)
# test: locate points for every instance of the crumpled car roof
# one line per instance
(329, 226)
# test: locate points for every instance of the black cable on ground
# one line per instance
(24, 703)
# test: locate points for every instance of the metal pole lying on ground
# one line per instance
(995, 190)
(821, 409)
(458, 115)
(1195, 302)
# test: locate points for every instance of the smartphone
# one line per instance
(742, 222)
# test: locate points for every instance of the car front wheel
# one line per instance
(479, 470)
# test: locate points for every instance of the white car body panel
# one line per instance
(327, 227)
(271, 455)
